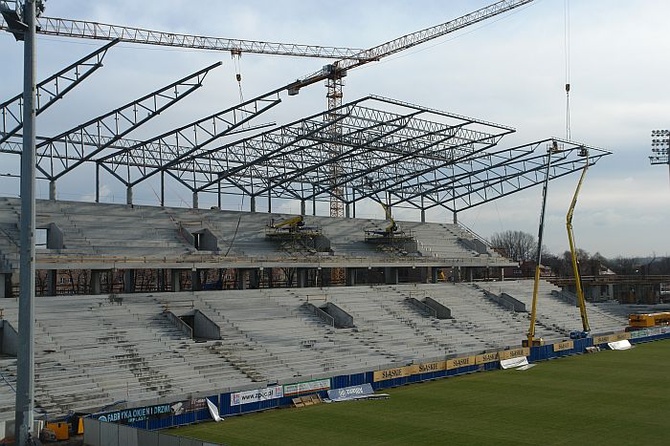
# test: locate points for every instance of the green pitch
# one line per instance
(607, 398)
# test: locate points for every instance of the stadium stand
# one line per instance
(92, 351)
(130, 349)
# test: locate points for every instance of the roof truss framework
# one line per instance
(410, 155)
(144, 159)
(495, 175)
(61, 154)
(293, 161)
(50, 90)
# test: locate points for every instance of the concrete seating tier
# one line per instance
(99, 230)
(91, 351)
(554, 314)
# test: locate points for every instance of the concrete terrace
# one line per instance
(92, 351)
(97, 234)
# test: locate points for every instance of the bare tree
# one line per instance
(515, 245)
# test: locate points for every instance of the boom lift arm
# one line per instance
(571, 240)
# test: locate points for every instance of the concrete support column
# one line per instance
(252, 205)
(351, 276)
(176, 285)
(160, 275)
(96, 283)
(301, 277)
(502, 273)
(196, 284)
(254, 278)
(195, 200)
(51, 282)
(52, 190)
(129, 281)
(241, 279)
(433, 274)
(391, 276)
(129, 195)
(4, 279)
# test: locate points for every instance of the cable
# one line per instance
(567, 69)
(236, 55)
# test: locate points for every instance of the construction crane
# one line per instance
(334, 73)
(586, 328)
(53, 26)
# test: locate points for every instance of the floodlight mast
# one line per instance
(660, 147)
(23, 28)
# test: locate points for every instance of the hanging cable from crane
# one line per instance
(236, 55)
(567, 69)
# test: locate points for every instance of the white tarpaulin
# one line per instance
(513, 362)
(214, 411)
(619, 345)
(526, 367)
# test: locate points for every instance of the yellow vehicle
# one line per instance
(648, 320)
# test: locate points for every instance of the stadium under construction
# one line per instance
(145, 313)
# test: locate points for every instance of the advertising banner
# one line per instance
(562, 346)
(428, 367)
(133, 415)
(254, 396)
(351, 393)
(514, 353)
(485, 358)
(456, 363)
(400, 372)
(605, 339)
(306, 387)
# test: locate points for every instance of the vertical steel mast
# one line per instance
(25, 359)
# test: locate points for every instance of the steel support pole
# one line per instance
(25, 358)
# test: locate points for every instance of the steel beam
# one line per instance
(50, 90)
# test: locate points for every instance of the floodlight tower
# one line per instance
(21, 20)
(660, 147)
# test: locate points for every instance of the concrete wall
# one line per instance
(442, 312)
(204, 327)
(208, 241)
(180, 324)
(98, 433)
(342, 318)
(508, 302)
(327, 318)
(54, 237)
(9, 342)
(422, 307)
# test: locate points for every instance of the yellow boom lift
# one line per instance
(531, 341)
(586, 328)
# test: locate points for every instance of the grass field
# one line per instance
(607, 398)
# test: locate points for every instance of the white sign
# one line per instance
(254, 396)
(304, 387)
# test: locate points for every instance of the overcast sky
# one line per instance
(510, 70)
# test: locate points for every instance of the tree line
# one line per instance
(522, 247)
